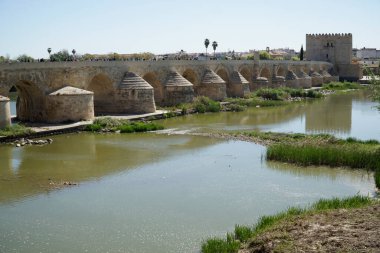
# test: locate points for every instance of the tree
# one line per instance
(214, 46)
(25, 58)
(301, 53)
(73, 51)
(207, 42)
(264, 55)
(62, 55)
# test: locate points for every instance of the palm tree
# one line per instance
(49, 51)
(214, 46)
(207, 42)
(73, 53)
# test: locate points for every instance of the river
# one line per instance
(166, 193)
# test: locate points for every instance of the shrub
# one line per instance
(272, 94)
(204, 104)
(341, 86)
(93, 128)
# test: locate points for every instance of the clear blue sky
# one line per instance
(160, 26)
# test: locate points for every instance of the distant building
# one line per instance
(367, 53)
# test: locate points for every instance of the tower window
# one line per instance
(328, 44)
(327, 56)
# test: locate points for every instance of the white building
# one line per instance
(368, 53)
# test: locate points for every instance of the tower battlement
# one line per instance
(332, 47)
(329, 35)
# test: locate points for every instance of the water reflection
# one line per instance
(183, 190)
(30, 170)
(354, 175)
(344, 114)
(332, 115)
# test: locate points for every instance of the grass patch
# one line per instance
(124, 126)
(228, 245)
(243, 233)
(15, 130)
(341, 86)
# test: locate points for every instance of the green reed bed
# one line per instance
(243, 233)
(355, 155)
(123, 126)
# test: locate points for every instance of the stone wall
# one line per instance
(350, 72)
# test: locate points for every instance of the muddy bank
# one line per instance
(342, 230)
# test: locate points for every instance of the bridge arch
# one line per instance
(223, 73)
(265, 72)
(102, 86)
(281, 71)
(153, 80)
(191, 76)
(246, 73)
(30, 103)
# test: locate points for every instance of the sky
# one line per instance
(164, 26)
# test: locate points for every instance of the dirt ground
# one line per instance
(353, 230)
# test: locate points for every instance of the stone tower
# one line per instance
(337, 49)
(334, 48)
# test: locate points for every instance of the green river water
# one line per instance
(166, 193)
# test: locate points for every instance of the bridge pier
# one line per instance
(212, 86)
(69, 104)
(5, 112)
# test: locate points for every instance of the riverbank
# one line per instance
(329, 225)
(341, 230)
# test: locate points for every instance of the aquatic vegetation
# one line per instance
(139, 127)
(244, 233)
(354, 155)
(124, 126)
(15, 130)
(341, 86)
(285, 93)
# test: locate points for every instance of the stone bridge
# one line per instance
(71, 91)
